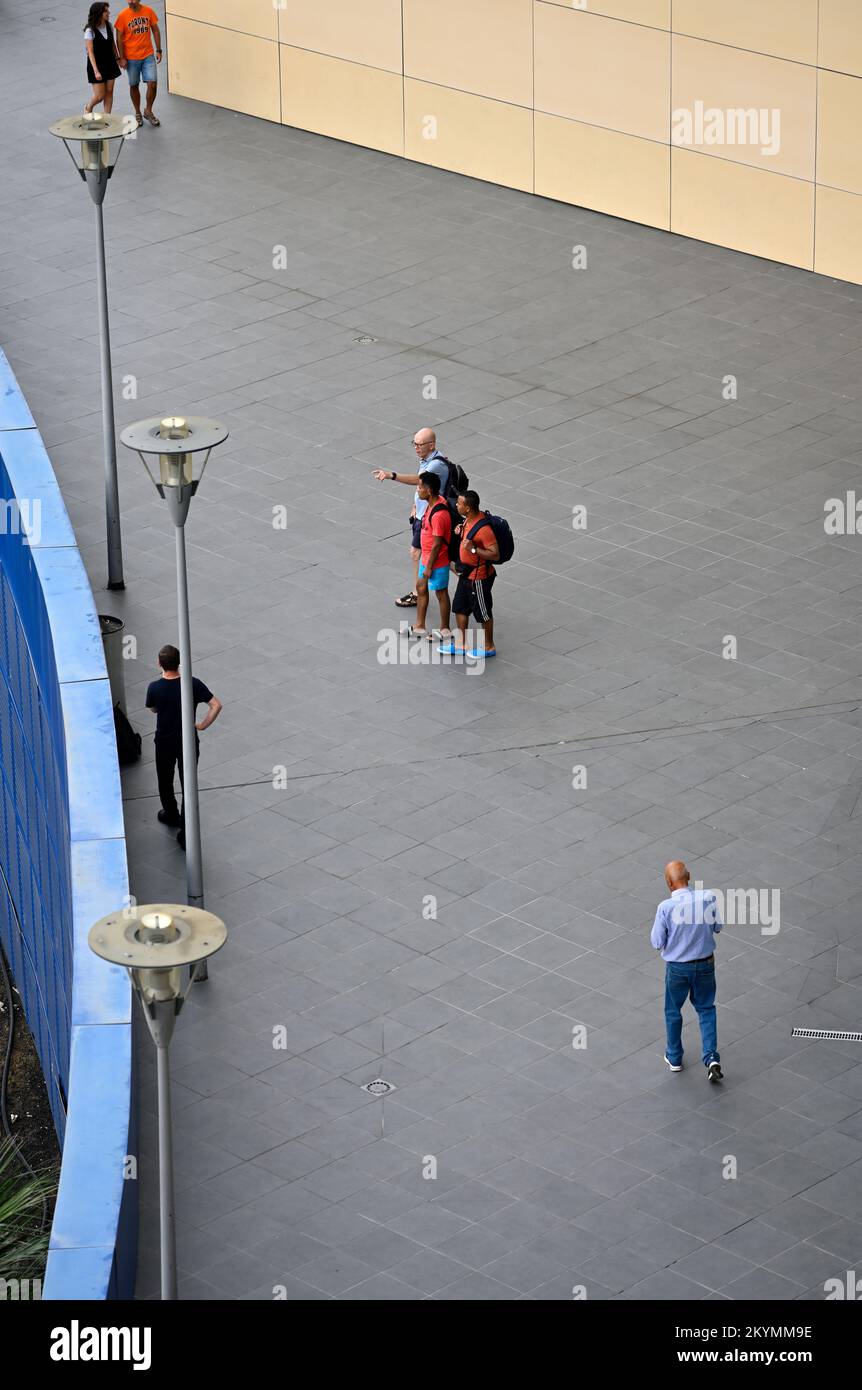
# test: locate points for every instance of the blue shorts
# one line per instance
(145, 68)
(439, 579)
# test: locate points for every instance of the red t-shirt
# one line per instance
(479, 569)
(436, 522)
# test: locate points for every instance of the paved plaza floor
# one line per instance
(446, 878)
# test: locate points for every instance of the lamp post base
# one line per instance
(113, 588)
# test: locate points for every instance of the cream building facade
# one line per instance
(735, 122)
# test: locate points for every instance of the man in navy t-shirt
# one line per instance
(163, 698)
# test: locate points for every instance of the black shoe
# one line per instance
(714, 1072)
(181, 840)
(168, 820)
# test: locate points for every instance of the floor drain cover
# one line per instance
(830, 1034)
(365, 339)
(378, 1087)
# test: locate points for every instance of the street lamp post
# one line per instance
(153, 943)
(94, 141)
(182, 446)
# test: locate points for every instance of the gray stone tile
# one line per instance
(665, 1285)
(333, 1273)
(711, 1266)
(478, 1288)
(762, 1285)
(428, 1270)
(382, 1288)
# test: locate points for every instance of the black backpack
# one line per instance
(128, 741)
(502, 535)
(458, 482)
(456, 518)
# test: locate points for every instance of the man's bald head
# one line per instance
(424, 442)
(676, 875)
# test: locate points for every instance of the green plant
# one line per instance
(23, 1204)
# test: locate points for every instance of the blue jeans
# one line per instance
(697, 979)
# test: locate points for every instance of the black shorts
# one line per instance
(474, 596)
(416, 527)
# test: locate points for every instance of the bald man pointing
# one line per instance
(684, 931)
(428, 460)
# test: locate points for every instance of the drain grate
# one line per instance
(366, 338)
(830, 1034)
(378, 1087)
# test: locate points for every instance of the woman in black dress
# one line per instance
(102, 66)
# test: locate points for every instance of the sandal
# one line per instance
(420, 632)
(406, 601)
(139, 120)
(152, 118)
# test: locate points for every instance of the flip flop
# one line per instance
(480, 655)
(449, 649)
(406, 601)
(420, 632)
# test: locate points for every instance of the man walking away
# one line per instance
(163, 698)
(478, 551)
(136, 26)
(684, 931)
(430, 461)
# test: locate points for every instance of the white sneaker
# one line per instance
(673, 1065)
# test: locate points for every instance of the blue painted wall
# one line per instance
(63, 861)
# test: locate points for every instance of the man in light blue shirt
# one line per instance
(684, 931)
(428, 460)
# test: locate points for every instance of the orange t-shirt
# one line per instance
(134, 28)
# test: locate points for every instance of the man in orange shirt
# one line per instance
(135, 28)
(477, 553)
(435, 537)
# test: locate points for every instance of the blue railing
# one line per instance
(63, 862)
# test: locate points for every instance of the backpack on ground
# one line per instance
(457, 483)
(128, 741)
(502, 535)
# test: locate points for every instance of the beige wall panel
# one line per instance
(839, 125)
(655, 13)
(475, 136)
(839, 235)
(785, 28)
(479, 46)
(841, 35)
(743, 208)
(218, 65)
(258, 17)
(362, 31)
(602, 169)
(343, 100)
(597, 70)
(711, 77)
